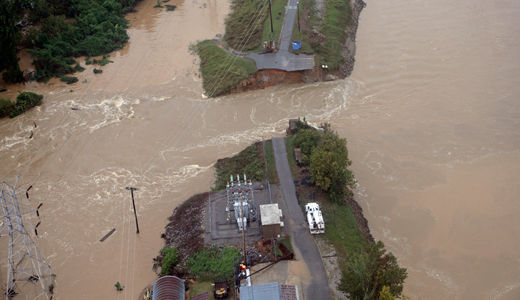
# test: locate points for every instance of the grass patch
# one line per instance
(270, 163)
(200, 287)
(221, 71)
(342, 229)
(213, 262)
(278, 8)
(248, 161)
(247, 19)
(287, 243)
(338, 16)
(307, 22)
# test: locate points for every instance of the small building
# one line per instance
(271, 220)
(269, 291)
(169, 288)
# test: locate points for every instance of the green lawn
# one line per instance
(221, 71)
(245, 23)
(300, 35)
(248, 161)
(338, 16)
(270, 163)
(278, 8)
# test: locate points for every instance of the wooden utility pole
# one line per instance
(271, 16)
(132, 189)
(243, 230)
(298, 14)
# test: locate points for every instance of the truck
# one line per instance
(315, 218)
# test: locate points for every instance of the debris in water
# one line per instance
(107, 235)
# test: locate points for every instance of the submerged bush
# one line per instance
(69, 79)
(24, 101)
(98, 27)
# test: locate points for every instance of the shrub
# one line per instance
(169, 261)
(25, 101)
(6, 106)
(306, 140)
(170, 7)
(97, 71)
(213, 262)
(69, 79)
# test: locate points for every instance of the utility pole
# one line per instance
(271, 16)
(132, 189)
(243, 229)
(298, 14)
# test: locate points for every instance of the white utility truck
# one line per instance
(314, 217)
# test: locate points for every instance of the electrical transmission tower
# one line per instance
(28, 273)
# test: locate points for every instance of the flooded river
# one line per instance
(431, 114)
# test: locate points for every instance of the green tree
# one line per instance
(367, 274)
(329, 166)
(307, 140)
(9, 36)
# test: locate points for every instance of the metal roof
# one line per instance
(169, 288)
(270, 214)
(266, 291)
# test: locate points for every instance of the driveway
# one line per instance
(318, 288)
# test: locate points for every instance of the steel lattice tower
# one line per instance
(28, 272)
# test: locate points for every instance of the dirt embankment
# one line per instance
(360, 218)
(349, 48)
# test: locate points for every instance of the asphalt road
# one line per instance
(283, 59)
(318, 288)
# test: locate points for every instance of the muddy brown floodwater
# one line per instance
(431, 113)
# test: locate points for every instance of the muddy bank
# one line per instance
(360, 218)
(349, 48)
(267, 78)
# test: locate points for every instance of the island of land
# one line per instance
(203, 244)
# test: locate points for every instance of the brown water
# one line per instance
(430, 112)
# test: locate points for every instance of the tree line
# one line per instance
(56, 31)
